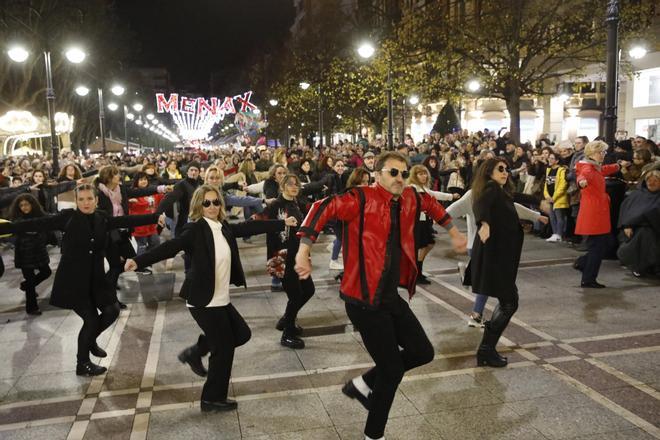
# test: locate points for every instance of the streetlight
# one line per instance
(75, 55)
(117, 90)
(637, 52)
(366, 51)
(305, 85)
(82, 91)
(113, 106)
(414, 100)
(150, 116)
(273, 102)
(473, 85)
(138, 107)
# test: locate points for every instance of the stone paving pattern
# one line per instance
(584, 364)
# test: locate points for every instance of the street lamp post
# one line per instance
(102, 120)
(612, 24)
(74, 55)
(305, 86)
(366, 51)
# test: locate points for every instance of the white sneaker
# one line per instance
(554, 238)
(336, 265)
(461, 269)
(475, 321)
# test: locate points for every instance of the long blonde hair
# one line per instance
(196, 208)
(214, 169)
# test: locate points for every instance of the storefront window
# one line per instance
(649, 128)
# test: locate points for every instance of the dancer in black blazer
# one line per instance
(210, 243)
(80, 283)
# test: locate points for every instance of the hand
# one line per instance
(130, 265)
(269, 201)
(549, 199)
(81, 181)
(459, 243)
(624, 163)
(582, 183)
(543, 219)
(484, 232)
(456, 196)
(303, 263)
(628, 232)
(243, 186)
(169, 188)
(133, 200)
(161, 220)
(291, 221)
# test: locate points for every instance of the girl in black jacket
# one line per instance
(297, 291)
(211, 245)
(30, 252)
(80, 283)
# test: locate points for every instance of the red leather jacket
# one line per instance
(365, 212)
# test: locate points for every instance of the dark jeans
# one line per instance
(33, 277)
(224, 330)
(298, 292)
(93, 325)
(383, 331)
(494, 328)
(589, 263)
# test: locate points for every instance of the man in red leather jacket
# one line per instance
(379, 256)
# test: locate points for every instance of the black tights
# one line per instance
(298, 292)
(498, 322)
(33, 277)
(93, 325)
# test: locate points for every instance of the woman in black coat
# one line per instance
(30, 252)
(297, 291)
(210, 243)
(80, 283)
(496, 252)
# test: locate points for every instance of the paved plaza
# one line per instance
(583, 364)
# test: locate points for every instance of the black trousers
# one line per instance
(224, 330)
(590, 262)
(383, 332)
(33, 277)
(494, 328)
(93, 325)
(298, 292)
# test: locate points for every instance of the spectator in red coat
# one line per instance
(593, 218)
(146, 236)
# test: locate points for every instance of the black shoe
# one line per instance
(351, 392)
(89, 369)
(122, 305)
(223, 405)
(189, 356)
(592, 285)
(275, 288)
(491, 358)
(34, 312)
(576, 265)
(98, 351)
(292, 341)
(339, 276)
(297, 330)
(421, 279)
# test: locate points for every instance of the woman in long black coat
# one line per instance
(496, 252)
(210, 243)
(80, 283)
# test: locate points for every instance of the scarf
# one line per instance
(115, 198)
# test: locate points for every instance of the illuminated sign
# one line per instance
(195, 117)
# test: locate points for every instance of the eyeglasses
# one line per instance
(207, 203)
(503, 169)
(395, 172)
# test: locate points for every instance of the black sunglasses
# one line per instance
(395, 172)
(503, 169)
(207, 203)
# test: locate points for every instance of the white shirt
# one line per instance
(222, 267)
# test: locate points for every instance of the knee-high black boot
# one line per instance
(493, 329)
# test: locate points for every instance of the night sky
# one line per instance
(192, 38)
